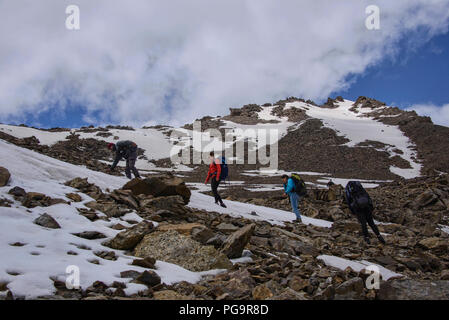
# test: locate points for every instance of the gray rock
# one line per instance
(47, 221)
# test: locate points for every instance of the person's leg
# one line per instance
(294, 202)
(127, 169)
(362, 219)
(370, 220)
(214, 186)
(132, 165)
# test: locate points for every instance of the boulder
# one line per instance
(414, 290)
(125, 197)
(17, 192)
(353, 286)
(436, 245)
(202, 234)
(128, 239)
(227, 227)
(173, 204)
(159, 186)
(173, 247)
(75, 197)
(47, 221)
(148, 263)
(4, 176)
(149, 278)
(425, 199)
(236, 242)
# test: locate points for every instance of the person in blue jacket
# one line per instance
(289, 188)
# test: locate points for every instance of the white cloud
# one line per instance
(438, 114)
(172, 61)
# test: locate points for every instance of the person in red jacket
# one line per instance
(214, 176)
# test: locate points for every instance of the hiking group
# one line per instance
(357, 198)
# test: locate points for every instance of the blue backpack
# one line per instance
(224, 169)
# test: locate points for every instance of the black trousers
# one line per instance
(131, 166)
(214, 185)
(366, 217)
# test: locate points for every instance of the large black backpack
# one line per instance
(224, 169)
(300, 186)
(358, 198)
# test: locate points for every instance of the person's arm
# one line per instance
(118, 156)
(208, 176)
(290, 186)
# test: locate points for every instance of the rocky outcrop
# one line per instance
(170, 246)
(159, 186)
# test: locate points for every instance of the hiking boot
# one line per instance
(297, 220)
(223, 205)
(367, 240)
(381, 239)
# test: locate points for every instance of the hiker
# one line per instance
(214, 175)
(360, 204)
(291, 190)
(128, 150)
(330, 183)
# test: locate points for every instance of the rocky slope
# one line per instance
(151, 241)
(287, 261)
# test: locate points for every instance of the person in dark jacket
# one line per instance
(213, 175)
(365, 216)
(127, 150)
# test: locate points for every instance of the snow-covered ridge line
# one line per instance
(358, 128)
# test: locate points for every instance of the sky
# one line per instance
(149, 62)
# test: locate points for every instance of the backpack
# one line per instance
(357, 197)
(224, 169)
(300, 186)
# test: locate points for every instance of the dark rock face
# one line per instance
(166, 185)
(47, 221)
(414, 290)
(322, 150)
